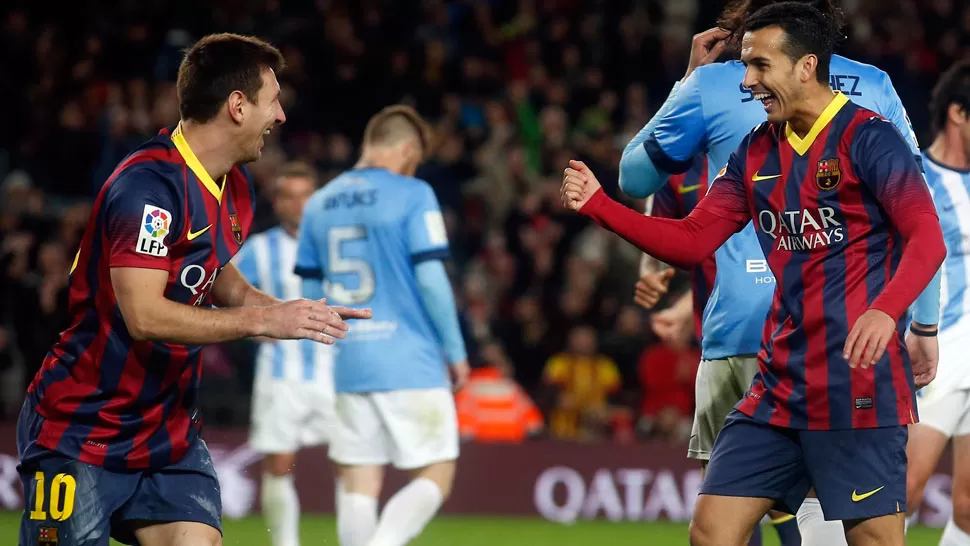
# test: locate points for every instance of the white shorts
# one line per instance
(290, 414)
(407, 428)
(948, 413)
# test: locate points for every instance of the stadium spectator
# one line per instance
(581, 380)
(493, 407)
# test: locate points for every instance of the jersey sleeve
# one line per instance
(308, 263)
(143, 218)
(895, 112)
(681, 132)
(245, 262)
(727, 197)
(426, 234)
(886, 166)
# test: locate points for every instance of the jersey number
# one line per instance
(340, 264)
(63, 487)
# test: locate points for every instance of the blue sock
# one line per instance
(756, 536)
(787, 528)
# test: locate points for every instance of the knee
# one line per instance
(961, 506)
(442, 474)
(701, 533)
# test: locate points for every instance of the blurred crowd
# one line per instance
(514, 88)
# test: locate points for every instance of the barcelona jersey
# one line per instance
(824, 209)
(103, 397)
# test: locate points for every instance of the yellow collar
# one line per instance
(801, 145)
(193, 162)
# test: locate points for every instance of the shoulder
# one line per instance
(142, 174)
(716, 71)
(840, 63)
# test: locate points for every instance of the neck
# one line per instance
(289, 228)
(211, 144)
(810, 109)
(949, 151)
(380, 158)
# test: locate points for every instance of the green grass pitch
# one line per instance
(476, 531)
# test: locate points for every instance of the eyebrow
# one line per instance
(759, 58)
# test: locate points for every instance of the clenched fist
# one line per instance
(578, 185)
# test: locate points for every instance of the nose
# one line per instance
(750, 80)
(280, 116)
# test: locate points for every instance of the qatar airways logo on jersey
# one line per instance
(198, 282)
(805, 229)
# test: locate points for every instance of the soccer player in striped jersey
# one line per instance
(109, 436)
(293, 405)
(704, 115)
(848, 228)
(944, 405)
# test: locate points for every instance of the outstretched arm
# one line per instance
(682, 243)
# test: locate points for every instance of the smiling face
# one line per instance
(772, 75)
(257, 118)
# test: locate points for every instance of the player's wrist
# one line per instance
(924, 330)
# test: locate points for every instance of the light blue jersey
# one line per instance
(366, 233)
(267, 261)
(951, 194)
(711, 113)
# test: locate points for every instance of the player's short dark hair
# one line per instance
(953, 87)
(807, 31)
(385, 127)
(735, 13)
(219, 64)
(298, 169)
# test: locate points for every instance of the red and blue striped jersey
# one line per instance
(107, 399)
(675, 200)
(826, 209)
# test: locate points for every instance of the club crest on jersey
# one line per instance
(828, 174)
(236, 228)
(151, 234)
(47, 536)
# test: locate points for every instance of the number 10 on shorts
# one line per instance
(62, 490)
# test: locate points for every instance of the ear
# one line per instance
(957, 115)
(235, 104)
(809, 66)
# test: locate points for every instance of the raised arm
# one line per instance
(682, 243)
(677, 132)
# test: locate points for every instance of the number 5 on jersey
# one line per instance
(63, 488)
(342, 265)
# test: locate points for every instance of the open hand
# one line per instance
(308, 319)
(868, 338)
(578, 185)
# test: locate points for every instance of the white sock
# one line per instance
(953, 535)
(407, 512)
(356, 518)
(815, 530)
(281, 508)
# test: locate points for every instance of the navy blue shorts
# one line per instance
(857, 474)
(70, 503)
